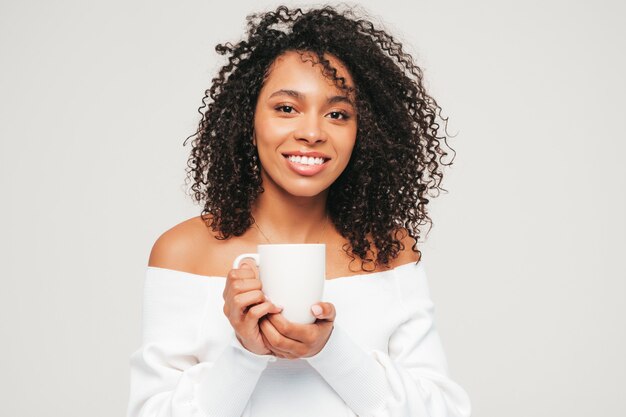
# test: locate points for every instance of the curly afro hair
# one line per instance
(397, 159)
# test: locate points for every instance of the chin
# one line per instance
(297, 187)
(305, 191)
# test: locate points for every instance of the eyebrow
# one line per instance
(301, 96)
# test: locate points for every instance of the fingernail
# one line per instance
(317, 310)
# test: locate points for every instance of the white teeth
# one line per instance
(304, 160)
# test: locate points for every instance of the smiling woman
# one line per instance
(318, 130)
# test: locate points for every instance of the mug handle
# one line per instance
(255, 256)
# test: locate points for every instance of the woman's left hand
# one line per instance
(292, 340)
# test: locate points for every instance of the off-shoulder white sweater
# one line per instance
(384, 356)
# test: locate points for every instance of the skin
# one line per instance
(293, 207)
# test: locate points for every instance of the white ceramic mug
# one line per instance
(292, 275)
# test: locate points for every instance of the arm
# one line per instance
(167, 378)
(411, 379)
(171, 373)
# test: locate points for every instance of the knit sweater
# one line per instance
(384, 357)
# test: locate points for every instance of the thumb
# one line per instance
(248, 263)
(324, 311)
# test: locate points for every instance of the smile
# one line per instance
(305, 160)
(307, 166)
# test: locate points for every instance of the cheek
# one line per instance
(347, 143)
(266, 120)
(271, 133)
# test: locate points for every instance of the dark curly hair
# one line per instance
(381, 196)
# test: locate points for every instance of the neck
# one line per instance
(285, 218)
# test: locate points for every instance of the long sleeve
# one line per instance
(411, 379)
(167, 377)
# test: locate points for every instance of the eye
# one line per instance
(287, 108)
(344, 115)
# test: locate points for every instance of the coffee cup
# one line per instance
(292, 275)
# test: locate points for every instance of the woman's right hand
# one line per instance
(245, 304)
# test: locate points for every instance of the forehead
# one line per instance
(302, 67)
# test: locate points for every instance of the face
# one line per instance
(299, 112)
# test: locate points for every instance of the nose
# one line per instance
(310, 129)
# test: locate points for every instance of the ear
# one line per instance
(254, 138)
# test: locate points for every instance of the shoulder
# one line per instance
(181, 246)
(405, 255)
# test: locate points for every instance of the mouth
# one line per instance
(307, 166)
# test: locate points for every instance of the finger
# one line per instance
(245, 300)
(255, 313)
(278, 352)
(249, 266)
(288, 352)
(294, 331)
(272, 349)
(264, 329)
(324, 311)
(238, 286)
(245, 271)
(275, 338)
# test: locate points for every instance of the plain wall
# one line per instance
(525, 259)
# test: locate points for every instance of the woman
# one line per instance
(318, 130)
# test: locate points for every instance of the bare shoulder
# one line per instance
(406, 255)
(180, 247)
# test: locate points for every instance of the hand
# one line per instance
(292, 340)
(244, 305)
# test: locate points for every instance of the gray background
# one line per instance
(525, 258)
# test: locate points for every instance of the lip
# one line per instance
(306, 170)
(311, 154)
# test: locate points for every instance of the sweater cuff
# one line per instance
(251, 359)
(226, 388)
(353, 373)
